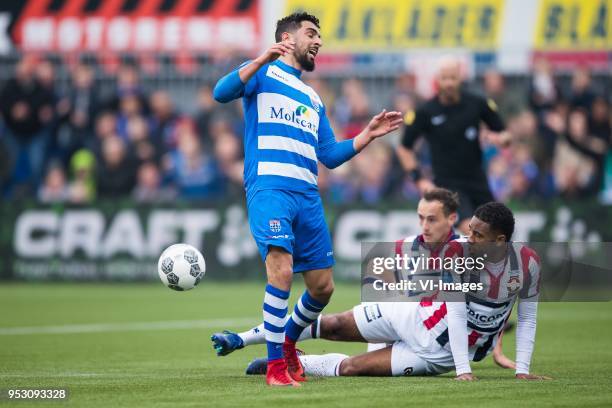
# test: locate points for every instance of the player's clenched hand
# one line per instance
(384, 123)
(465, 377)
(532, 377)
(275, 51)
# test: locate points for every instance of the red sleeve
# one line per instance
(530, 262)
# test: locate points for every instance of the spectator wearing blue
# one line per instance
(27, 111)
(193, 171)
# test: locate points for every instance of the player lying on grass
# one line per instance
(430, 338)
(437, 212)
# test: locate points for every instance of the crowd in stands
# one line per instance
(123, 141)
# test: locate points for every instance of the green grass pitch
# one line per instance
(142, 345)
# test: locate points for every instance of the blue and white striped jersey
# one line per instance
(286, 132)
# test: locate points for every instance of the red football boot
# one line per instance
(277, 374)
(294, 365)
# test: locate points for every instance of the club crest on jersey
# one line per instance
(514, 284)
(275, 225)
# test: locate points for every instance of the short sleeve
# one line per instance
(490, 115)
(531, 273)
(416, 124)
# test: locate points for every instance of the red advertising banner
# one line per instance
(136, 25)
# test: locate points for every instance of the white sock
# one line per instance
(256, 335)
(325, 365)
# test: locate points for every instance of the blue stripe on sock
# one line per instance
(310, 307)
(311, 303)
(275, 350)
(273, 328)
(274, 311)
(277, 292)
(301, 316)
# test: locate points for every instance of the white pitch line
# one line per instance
(131, 326)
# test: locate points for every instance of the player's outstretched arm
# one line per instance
(333, 153)
(458, 336)
(232, 85)
(525, 338)
(380, 125)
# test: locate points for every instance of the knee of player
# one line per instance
(323, 290)
(279, 263)
(330, 327)
(348, 368)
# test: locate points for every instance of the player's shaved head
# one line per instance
(449, 64)
(449, 79)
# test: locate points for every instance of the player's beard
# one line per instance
(305, 63)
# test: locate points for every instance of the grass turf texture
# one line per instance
(158, 367)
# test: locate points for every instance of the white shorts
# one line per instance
(415, 351)
(405, 362)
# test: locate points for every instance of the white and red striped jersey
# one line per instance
(517, 276)
(415, 246)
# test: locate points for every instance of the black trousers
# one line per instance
(472, 194)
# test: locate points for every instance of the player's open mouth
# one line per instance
(313, 52)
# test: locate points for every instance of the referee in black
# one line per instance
(450, 122)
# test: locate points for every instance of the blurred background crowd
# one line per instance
(122, 137)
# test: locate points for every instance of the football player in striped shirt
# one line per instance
(435, 337)
(287, 133)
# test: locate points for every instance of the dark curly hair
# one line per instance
(449, 200)
(292, 23)
(498, 216)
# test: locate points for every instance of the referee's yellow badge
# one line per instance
(492, 104)
(409, 117)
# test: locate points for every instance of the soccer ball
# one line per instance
(181, 267)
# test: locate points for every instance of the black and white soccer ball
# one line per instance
(181, 267)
